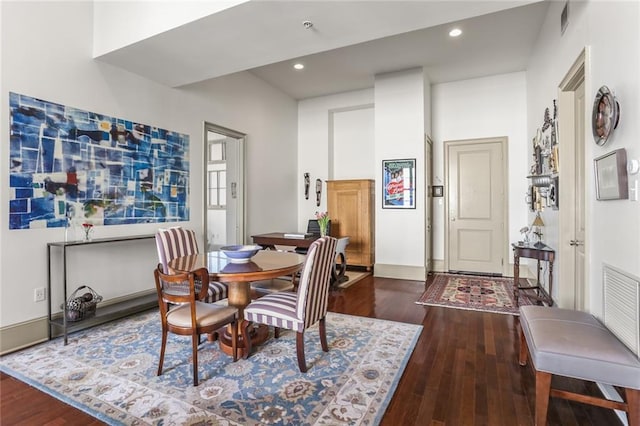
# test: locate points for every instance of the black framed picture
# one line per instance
(399, 184)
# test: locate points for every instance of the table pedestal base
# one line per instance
(258, 335)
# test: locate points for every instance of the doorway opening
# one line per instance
(224, 194)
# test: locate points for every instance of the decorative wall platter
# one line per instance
(605, 116)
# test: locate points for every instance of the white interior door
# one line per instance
(582, 294)
(573, 291)
(476, 205)
(224, 187)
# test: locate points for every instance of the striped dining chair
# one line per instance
(177, 242)
(298, 311)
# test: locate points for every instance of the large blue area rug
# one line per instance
(109, 371)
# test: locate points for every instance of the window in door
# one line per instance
(217, 175)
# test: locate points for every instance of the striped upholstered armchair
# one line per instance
(299, 311)
(177, 242)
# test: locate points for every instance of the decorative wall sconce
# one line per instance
(307, 182)
(318, 191)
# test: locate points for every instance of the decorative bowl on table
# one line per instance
(240, 253)
(240, 268)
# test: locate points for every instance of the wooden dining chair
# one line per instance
(185, 312)
(175, 242)
(299, 311)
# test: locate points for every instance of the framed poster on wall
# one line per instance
(399, 184)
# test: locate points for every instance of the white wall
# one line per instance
(400, 131)
(613, 227)
(46, 53)
(314, 137)
(480, 108)
(143, 19)
(352, 138)
(269, 118)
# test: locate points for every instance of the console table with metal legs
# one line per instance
(107, 312)
(542, 253)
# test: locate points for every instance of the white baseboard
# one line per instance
(29, 333)
(22, 335)
(612, 394)
(399, 272)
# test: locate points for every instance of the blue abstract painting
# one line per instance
(67, 164)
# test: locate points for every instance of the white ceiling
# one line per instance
(349, 43)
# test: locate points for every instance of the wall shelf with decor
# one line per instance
(127, 305)
(542, 180)
(543, 175)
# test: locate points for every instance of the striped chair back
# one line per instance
(175, 242)
(178, 242)
(313, 289)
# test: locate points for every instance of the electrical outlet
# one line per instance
(39, 294)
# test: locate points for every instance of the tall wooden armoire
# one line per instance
(350, 204)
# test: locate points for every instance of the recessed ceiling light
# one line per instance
(298, 66)
(455, 32)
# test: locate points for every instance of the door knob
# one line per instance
(575, 243)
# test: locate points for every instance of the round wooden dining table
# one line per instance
(266, 264)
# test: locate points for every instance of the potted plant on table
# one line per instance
(323, 222)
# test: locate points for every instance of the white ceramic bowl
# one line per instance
(240, 253)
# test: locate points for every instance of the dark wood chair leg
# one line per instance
(246, 339)
(633, 406)
(302, 364)
(234, 339)
(195, 340)
(543, 388)
(323, 335)
(162, 347)
(276, 332)
(522, 360)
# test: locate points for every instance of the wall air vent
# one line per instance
(622, 306)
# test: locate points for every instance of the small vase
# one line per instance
(87, 234)
(323, 230)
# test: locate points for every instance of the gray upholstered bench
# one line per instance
(575, 344)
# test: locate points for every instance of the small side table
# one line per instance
(540, 252)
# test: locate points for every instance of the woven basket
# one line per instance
(83, 306)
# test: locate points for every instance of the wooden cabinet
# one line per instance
(350, 204)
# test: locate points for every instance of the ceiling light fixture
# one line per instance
(298, 66)
(455, 32)
(307, 24)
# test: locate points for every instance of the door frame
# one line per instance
(428, 212)
(577, 73)
(503, 140)
(241, 215)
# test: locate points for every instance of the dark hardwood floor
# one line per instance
(464, 370)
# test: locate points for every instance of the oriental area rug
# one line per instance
(109, 371)
(471, 292)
